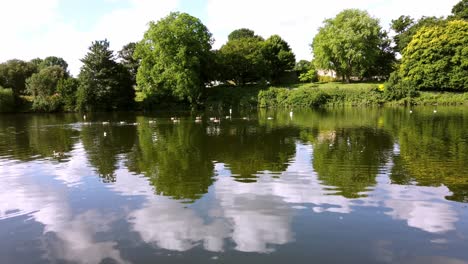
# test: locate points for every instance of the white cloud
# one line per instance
(297, 21)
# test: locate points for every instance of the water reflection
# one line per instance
(146, 189)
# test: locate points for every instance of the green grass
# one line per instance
(368, 94)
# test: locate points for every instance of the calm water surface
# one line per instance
(330, 186)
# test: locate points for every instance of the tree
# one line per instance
(279, 57)
(348, 44)
(385, 62)
(437, 57)
(127, 60)
(405, 28)
(13, 74)
(242, 33)
(305, 71)
(460, 10)
(67, 88)
(104, 84)
(174, 57)
(43, 87)
(44, 83)
(54, 61)
(241, 58)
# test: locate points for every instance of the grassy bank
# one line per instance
(352, 94)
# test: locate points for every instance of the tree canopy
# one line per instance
(437, 57)
(278, 56)
(13, 74)
(348, 44)
(174, 55)
(405, 28)
(460, 10)
(104, 84)
(241, 58)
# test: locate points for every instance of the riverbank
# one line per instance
(325, 95)
(289, 96)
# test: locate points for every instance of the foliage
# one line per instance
(405, 28)
(43, 87)
(174, 58)
(348, 44)
(242, 61)
(278, 57)
(51, 103)
(128, 61)
(437, 58)
(13, 74)
(6, 100)
(54, 61)
(385, 62)
(67, 89)
(397, 89)
(243, 33)
(309, 76)
(326, 79)
(460, 10)
(44, 83)
(104, 84)
(283, 97)
(303, 66)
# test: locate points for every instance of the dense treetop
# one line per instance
(174, 55)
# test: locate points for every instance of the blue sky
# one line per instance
(33, 28)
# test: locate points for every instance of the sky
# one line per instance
(66, 28)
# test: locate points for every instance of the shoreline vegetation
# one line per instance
(355, 63)
(333, 94)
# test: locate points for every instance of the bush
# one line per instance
(326, 79)
(47, 103)
(283, 97)
(437, 58)
(397, 89)
(309, 76)
(306, 97)
(7, 100)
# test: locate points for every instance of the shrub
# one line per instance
(397, 89)
(309, 76)
(6, 100)
(326, 79)
(306, 97)
(283, 97)
(437, 58)
(47, 103)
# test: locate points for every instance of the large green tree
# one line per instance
(460, 10)
(44, 83)
(437, 57)
(174, 55)
(241, 58)
(406, 27)
(54, 61)
(128, 61)
(348, 44)
(43, 87)
(104, 84)
(13, 74)
(279, 57)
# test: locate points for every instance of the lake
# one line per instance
(352, 185)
